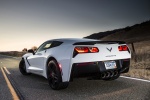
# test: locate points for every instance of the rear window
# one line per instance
(56, 43)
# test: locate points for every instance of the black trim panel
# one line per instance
(97, 68)
(27, 61)
(98, 42)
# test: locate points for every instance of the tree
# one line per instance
(34, 48)
(24, 50)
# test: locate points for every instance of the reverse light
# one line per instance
(123, 48)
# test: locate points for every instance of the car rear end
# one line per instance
(105, 59)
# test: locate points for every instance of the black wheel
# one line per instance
(112, 78)
(22, 67)
(54, 76)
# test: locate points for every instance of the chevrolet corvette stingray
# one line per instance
(62, 60)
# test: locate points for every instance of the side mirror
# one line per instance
(31, 51)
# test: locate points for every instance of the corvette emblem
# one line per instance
(109, 49)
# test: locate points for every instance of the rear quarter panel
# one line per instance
(63, 55)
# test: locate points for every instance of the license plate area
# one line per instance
(110, 64)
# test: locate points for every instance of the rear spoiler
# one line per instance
(98, 42)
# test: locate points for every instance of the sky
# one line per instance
(28, 23)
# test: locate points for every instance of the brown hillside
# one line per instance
(136, 33)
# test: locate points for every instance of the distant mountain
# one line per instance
(135, 33)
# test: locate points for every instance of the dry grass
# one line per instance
(139, 73)
(140, 62)
(13, 53)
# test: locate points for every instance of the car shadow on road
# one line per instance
(80, 88)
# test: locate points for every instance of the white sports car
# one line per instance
(61, 60)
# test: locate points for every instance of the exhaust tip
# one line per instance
(111, 74)
(108, 74)
(103, 75)
(115, 73)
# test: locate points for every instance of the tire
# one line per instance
(112, 78)
(22, 68)
(54, 76)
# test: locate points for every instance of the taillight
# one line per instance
(93, 49)
(123, 48)
(82, 49)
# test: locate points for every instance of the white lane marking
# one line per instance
(7, 70)
(135, 79)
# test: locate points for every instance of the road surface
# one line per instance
(34, 87)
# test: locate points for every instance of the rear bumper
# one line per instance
(97, 68)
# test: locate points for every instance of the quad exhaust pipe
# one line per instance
(109, 74)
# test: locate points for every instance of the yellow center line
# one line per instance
(12, 91)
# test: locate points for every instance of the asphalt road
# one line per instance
(34, 87)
